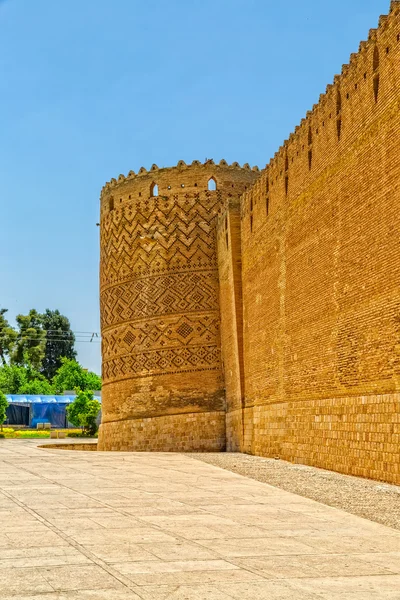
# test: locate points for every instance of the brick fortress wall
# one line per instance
(163, 386)
(321, 280)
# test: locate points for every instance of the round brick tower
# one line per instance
(163, 386)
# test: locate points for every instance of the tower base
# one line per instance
(187, 432)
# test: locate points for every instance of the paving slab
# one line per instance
(155, 526)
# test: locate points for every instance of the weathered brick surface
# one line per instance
(160, 302)
(283, 315)
(231, 305)
(199, 432)
(321, 277)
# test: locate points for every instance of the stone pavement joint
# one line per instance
(157, 526)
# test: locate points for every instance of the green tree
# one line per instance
(72, 375)
(8, 336)
(60, 342)
(30, 344)
(12, 379)
(3, 409)
(23, 380)
(37, 387)
(83, 411)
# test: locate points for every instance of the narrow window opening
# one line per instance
(387, 50)
(111, 203)
(355, 86)
(227, 240)
(251, 204)
(287, 184)
(130, 196)
(339, 128)
(310, 159)
(251, 223)
(140, 193)
(267, 205)
(154, 189)
(226, 223)
(347, 95)
(375, 62)
(120, 200)
(195, 185)
(365, 76)
(376, 87)
(212, 184)
(338, 103)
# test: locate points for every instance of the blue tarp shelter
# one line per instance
(31, 410)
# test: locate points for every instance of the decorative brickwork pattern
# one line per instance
(159, 293)
(264, 316)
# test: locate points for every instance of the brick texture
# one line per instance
(265, 315)
(159, 298)
(321, 277)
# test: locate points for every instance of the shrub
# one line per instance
(3, 409)
(83, 412)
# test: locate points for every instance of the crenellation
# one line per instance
(349, 71)
(265, 317)
(159, 306)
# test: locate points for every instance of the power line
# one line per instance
(60, 331)
(54, 339)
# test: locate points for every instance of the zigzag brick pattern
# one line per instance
(265, 316)
(160, 299)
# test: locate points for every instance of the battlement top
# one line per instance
(208, 165)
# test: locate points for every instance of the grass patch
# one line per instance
(14, 434)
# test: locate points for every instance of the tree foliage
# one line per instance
(23, 380)
(72, 375)
(8, 336)
(38, 357)
(12, 378)
(37, 387)
(30, 343)
(3, 409)
(83, 411)
(59, 342)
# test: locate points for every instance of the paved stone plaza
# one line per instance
(123, 526)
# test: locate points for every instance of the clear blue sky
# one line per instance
(90, 89)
